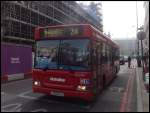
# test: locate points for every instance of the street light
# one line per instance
(141, 36)
(138, 58)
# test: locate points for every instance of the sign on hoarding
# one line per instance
(15, 59)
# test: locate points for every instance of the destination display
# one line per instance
(63, 32)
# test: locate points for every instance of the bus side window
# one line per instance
(103, 59)
(107, 54)
(94, 53)
(110, 55)
(114, 54)
(112, 59)
(98, 53)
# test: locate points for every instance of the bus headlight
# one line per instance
(81, 88)
(36, 83)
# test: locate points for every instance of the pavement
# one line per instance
(122, 95)
(142, 94)
(15, 77)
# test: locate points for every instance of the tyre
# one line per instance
(104, 82)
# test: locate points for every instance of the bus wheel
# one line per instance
(104, 81)
(116, 71)
(96, 93)
(95, 98)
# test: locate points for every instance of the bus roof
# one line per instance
(88, 26)
(67, 25)
(105, 36)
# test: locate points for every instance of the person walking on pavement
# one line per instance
(129, 61)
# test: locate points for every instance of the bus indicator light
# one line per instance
(85, 81)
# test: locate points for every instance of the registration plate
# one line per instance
(57, 93)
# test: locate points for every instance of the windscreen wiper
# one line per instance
(68, 66)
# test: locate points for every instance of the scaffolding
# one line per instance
(19, 18)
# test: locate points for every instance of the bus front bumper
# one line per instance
(85, 95)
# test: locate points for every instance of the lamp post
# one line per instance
(141, 35)
(138, 57)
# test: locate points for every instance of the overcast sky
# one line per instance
(119, 18)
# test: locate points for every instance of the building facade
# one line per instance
(146, 30)
(146, 26)
(94, 10)
(127, 47)
(19, 18)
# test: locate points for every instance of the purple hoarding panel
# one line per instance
(15, 59)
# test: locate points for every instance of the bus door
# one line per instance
(94, 67)
(99, 68)
(111, 62)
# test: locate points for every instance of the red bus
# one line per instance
(73, 61)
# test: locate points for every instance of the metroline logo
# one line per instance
(57, 79)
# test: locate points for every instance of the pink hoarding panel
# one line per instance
(15, 59)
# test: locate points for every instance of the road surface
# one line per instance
(120, 95)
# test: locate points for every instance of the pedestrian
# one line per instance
(129, 61)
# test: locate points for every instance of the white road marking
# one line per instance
(41, 110)
(3, 93)
(12, 107)
(35, 98)
(14, 82)
(24, 95)
(15, 76)
(117, 89)
(28, 97)
(17, 107)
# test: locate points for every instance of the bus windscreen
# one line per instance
(63, 54)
